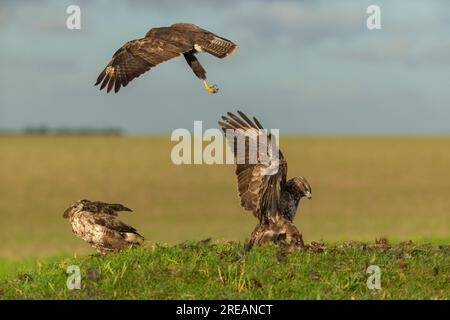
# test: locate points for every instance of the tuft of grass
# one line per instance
(203, 270)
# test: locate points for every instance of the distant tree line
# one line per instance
(44, 130)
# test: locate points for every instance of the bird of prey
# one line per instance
(97, 223)
(263, 186)
(159, 45)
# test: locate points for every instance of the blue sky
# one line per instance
(309, 67)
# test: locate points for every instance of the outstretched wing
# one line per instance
(259, 182)
(139, 56)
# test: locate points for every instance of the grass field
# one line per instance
(363, 188)
(223, 271)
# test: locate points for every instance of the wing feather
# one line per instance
(259, 192)
(108, 231)
(137, 57)
(113, 223)
(105, 208)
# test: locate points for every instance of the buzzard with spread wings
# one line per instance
(261, 171)
(159, 45)
(97, 223)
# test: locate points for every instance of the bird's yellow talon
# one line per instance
(211, 87)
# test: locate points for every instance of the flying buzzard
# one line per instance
(263, 187)
(97, 223)
(159, 45)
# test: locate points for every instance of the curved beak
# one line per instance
(66, 213)
(308, 195)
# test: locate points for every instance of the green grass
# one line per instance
(223, 271)
(363, 188)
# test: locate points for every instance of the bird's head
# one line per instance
(301, 187)
(74, 208)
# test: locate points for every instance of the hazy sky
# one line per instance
(302, 66)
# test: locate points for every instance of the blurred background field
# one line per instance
(363, 188)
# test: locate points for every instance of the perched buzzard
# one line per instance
(97, 223)
(159, 45)
(263, 187)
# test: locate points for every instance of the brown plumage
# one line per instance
(161, 44)
(97, 223)
(262, 184)
(279, 230)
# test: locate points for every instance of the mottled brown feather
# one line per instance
(259, 193)
(97, 223)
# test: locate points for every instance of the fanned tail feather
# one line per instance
(219, 47)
